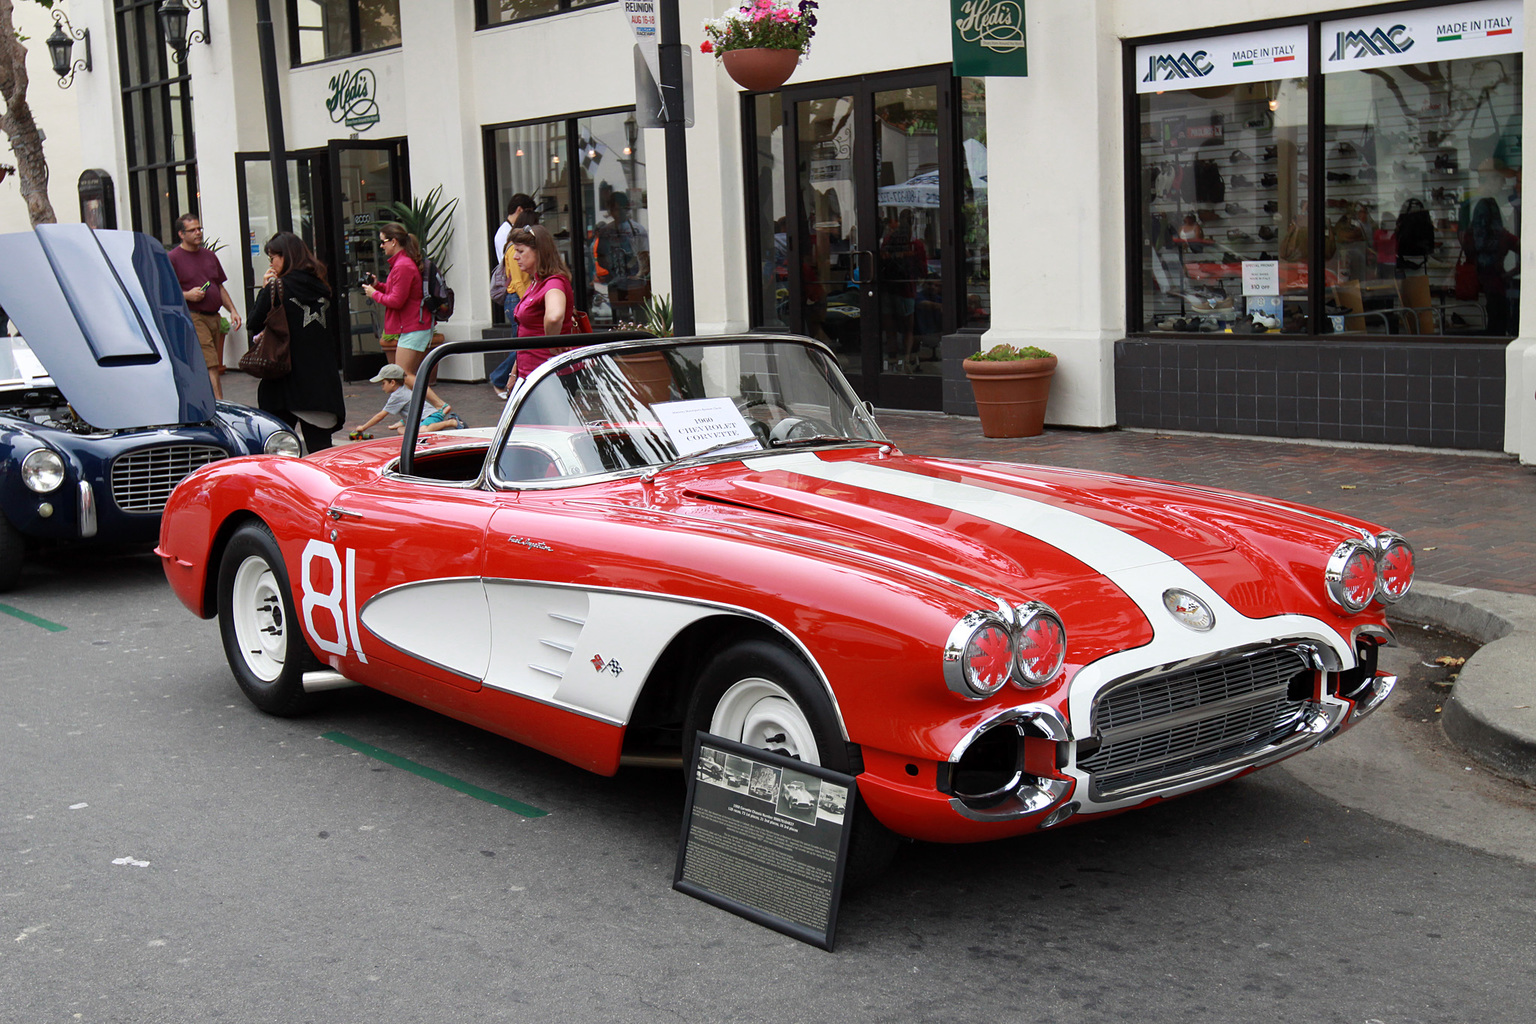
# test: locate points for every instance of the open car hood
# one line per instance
(103, 311)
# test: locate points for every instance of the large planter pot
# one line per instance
(759, 69)
(650, 373)
(1011, 395)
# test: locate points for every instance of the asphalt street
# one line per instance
(168, 854)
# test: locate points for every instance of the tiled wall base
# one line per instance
(1438, 395)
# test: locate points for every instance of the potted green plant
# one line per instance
(431, 221)
(1012, 385)
(761, 41)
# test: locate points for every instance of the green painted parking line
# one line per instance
(433, 775)
(52, 627)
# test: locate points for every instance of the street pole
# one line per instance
(278, 147)
(679, 217)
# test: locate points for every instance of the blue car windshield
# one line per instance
(637, 409)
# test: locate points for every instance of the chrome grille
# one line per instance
(143, 480)
(1194, 718)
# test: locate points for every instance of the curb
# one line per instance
(1491, 713)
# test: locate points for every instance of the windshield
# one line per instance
(19, 367)
(641, 409)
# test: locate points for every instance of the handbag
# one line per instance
(580, 324)
(1466, 277)
(268, 355)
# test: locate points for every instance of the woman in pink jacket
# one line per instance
(405, 321)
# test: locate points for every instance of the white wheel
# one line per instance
(256, 611)
(761, 713)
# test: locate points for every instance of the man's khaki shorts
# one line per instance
(210, 337)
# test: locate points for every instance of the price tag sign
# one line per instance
(1261, 277)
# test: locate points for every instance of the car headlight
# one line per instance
(42, 470)
(1041, 645)
(978, 655)
(1394, 567)
(281, 442)
(1351, 575)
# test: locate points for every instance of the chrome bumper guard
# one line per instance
(1023, 795)
(1379, 690)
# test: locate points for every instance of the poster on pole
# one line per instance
(644, 23)
(765, 836)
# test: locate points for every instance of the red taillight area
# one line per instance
(987, 657)
(1042, 649)
(1396, 570)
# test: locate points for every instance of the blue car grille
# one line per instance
(143, 480)
(1194, 718)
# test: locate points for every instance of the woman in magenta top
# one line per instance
(405, 322)
(548, 305)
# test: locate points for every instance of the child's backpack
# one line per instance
(436, 296)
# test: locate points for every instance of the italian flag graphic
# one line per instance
(1262, 60)
(1475, 35)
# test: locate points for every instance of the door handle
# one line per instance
(867, 279)
(336, 512)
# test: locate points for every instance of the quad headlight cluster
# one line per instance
(987, 649)
(1362, 571)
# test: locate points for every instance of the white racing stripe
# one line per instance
(1136, 567)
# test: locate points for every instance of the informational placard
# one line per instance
(1261, 277)
(700, 423)
(766, 836)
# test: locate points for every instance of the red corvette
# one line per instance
(660, 538)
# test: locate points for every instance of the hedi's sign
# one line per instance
(1430, 34)
(1222, 60)
(354, 99)
(987, 37)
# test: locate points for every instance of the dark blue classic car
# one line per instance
(106, 405)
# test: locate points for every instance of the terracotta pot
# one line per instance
(1011, 395)
(650, 373)
(759, 69)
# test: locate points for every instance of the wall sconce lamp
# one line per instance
(61, 45)
(173, 24)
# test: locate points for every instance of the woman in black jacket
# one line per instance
(309, 396)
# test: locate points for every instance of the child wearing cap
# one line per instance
(397, 399)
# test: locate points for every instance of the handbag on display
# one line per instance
(268, 355)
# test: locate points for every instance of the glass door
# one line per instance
(365, 178)
(864, 229)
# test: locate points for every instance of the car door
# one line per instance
(397, 579)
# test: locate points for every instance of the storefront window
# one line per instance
(1423, 178)
(1399, 214)
(601, 225)
(977, 265)
(499, 12)
(772, 258)
(1222, 189)
(322, 29)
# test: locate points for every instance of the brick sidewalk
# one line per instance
(1471, 517)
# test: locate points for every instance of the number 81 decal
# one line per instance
(340, 600)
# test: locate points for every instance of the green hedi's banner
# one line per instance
(989, 37)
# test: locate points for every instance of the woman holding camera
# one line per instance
(406, 322)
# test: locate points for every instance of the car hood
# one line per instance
(1035, 527)
(103, 311)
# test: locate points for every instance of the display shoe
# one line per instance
(1271, 207)
(1239, 181)
(1238, 156)
(1340, 176)
(1270, 152)
(1233, 208)
(1266, 232)
(1239, 236)
(1269, 180)
(1265, 320)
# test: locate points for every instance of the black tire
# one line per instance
(759, 693)
(13, 551)
(265, 648)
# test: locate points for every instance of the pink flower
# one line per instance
(781, 16)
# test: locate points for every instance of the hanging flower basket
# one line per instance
(761, 41)
(759, 69)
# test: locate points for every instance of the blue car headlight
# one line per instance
(42, 470)
(282, 442)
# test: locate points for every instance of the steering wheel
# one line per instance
(796, 428)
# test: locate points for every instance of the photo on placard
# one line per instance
(738, 770)
(765, 783)
(833, 802)
(712, 767)
(798, 794)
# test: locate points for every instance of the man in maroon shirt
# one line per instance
(202, 285)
